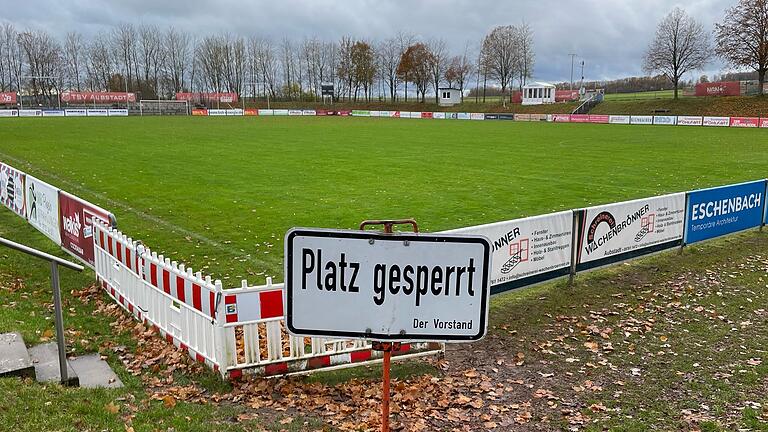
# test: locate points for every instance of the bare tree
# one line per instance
(363, 67)
(177, 53)
(42, 56)
(210, 55)
(99, 64)
(526, 55)
(742, 37)
(124, 49)
(459, 71)
(438, 59)
(680, 45)
(11, 58)
(388, 54)
(500, 56)
(73, 54)
(150, 57)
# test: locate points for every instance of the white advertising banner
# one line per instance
(376, 114)
(717, 121)
(75, 112)
(462, 116)
(477, 116)
(43, 208)
(266, 112)
(624, 230)
(295, 112)
(118, 112)
(619, 119)
(9, 113)
(30, 113)
(217, 112)
(402, 287)
(309, 112)
(439, 115)
(98, 113)
(689, 121)
(235, 112)
(527, 251)
(665, 120)
(280, 112)
(12, 189)
(53, 113)
(641, 120)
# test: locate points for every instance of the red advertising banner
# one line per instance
(579, 118)
(345, 113)
(321, 112)
(97, 97)
(199, 112)
(517, 97)
(764, 122)
(8, 98)
(208, 97)
(566, 95)
(598, 118)
(752, 122)
(76, 227)
(426, 115)
(725, 88)
(251, 112)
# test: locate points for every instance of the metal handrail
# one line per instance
(41, 255)
(55, 263)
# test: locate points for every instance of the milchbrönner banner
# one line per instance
(527, 251)
(616, 232)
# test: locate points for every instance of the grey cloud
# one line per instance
(609, 35)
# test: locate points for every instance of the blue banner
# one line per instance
(719, 211)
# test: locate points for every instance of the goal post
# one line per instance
(163, 107)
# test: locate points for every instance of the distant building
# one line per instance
(449, 96)
(538, 93)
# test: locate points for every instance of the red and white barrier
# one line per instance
(749, 122)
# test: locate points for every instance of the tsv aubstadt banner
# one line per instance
(625, 230)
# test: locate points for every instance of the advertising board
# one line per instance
(527, 251)
(724, 210)
(620, 231)
(43, 208)
(76, 225)
(12, 189)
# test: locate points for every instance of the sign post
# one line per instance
(387, 287)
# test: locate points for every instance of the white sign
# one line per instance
(266, 112)
(53, 113)
(463, 116)
(309, 112)
(9, 113)
(717, 121)
(75, 112)
(43, 208)
(399, 287)
(439, 115)
(624, 229)
(618, 119)
(527, 251)
(30, 113)
(643, 120)
(689, 121)
(664, 120)
(117, 112)
(295, 112)
(235, 112)
(12, 189)
(217, 112)
(477, 116)
(280, 112)
(97, 113)
(376, 114)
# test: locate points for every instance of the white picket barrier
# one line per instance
(231, 331)
(256, 341)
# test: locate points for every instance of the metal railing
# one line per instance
(55, 263)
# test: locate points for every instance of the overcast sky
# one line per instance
(610, 35)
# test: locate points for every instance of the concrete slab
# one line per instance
(94, 372)
(14, 358)
(45, 358)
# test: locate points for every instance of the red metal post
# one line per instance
(387, 347)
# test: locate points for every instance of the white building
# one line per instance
(538, 93)
(449, 96)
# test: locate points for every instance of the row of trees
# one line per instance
(161, 62)
(682, 45)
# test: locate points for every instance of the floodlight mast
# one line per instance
(573, 56)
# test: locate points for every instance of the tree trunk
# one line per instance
(676, 84)
(760, 81)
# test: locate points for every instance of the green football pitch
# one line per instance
(220, 193)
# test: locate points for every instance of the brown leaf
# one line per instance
(112, 408)
(169, 401)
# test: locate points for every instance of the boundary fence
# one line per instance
(664, 120)
(243, 329)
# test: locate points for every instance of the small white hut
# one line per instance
(538, 93)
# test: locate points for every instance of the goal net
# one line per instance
(163, 107)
